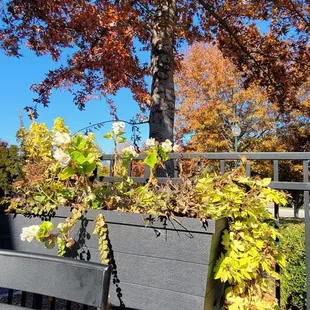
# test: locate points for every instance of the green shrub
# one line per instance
(293, 277)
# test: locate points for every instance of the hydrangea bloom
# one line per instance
(167, 145)
(28, 233)
(62, 157)
(61, 138)
(150, 142)
(118, 127)
(130, 150)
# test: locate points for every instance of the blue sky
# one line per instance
(18, 74)
(15, 79)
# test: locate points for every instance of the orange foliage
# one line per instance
(211, 98)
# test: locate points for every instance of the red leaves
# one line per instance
(104, 37)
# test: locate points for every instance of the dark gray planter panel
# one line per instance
(156, 299)
(162, 273)
(132, 219)
(170, 244)
(172, 271)
(14, 243)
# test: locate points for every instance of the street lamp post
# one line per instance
(236, 131)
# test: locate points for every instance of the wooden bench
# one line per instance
(72, 280)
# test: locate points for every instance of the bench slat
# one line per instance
(83, 282)
(23, 299)
(37, 301)
(10, 296)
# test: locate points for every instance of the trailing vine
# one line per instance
(101, 229)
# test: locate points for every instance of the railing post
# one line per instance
(277, 225)
(248, 170)
(307, 229)
(222, 166)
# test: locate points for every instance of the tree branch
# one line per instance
(299, 14)
(101, 124)
(224, 24)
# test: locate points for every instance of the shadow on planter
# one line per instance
(162, 267)
(6, 240)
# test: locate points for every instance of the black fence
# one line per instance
(228, 161)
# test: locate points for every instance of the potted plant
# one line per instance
(163, 241)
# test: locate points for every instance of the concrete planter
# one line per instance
(158, 268)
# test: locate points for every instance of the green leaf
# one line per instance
(108, 135)
(151, 159)
(66, 173)
(39, 198)
(78, 157)
(45, 229)
(80, 142)
(66, 193)
(89, 167)
(163, 154)
(96, 204)
(50, 242)
(120, 139)
(90, 158)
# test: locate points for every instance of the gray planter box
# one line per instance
(158, 268)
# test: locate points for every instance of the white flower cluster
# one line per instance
(166, 145)
(118, 127)
(129, 150)
(62, 157)
(28, 233)
(61, 138)
(151, 142)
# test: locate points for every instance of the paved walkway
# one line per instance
(287, 212)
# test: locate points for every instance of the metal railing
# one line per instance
(223, 158)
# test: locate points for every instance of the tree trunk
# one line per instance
(162, 66)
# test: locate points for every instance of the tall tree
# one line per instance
(211, 98)
(105, 36)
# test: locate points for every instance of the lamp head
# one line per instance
(236, 130)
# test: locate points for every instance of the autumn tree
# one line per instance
(105, 37)
(212, 97)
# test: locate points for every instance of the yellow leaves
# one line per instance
(281, 260)
(264, 182)
(36, 142)
(237, 303)
(237, 246)
(226, 239)
(59, 126)
(249, 244)
(101, 230)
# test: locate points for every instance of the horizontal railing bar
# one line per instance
(232, 156)
(304, 186)
(291, 185)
